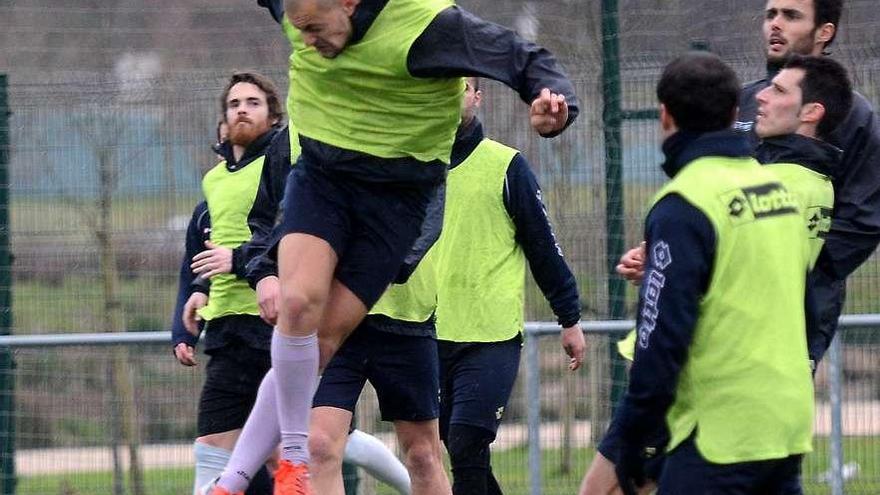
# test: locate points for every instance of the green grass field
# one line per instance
(509, 469)
(74, 304)
(70, 300)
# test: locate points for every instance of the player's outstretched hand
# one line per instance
(213, 261)
(549, 112)
(574, 344)
(632, 264)
(185, 354)
(191, 318)
(268, 297)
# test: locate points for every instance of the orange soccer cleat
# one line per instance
(292, 479)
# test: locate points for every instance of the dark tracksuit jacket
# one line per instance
(456, 43)
(534, 233)
(275, 145)
(641, 417)
(813, 154)
(198, 231)
(694, 239)
(825, 159)
(855, 227)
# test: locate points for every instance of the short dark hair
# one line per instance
(699, 91)
(276, 111)
(827, 11)
(827, 82)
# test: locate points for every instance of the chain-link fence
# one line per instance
(114, 106)
(72, 427)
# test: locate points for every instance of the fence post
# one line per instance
(7, 380)
(533, 410)
(611, 121)
(835, 371)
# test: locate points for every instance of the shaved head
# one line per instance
(325, 25)
(295, 5)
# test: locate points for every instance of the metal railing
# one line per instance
(620, 327)
(535, 364)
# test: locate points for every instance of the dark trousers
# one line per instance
(686, 472)
(476, 380)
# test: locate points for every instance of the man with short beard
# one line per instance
(242, 193)
(803, 27)
(808, 27)
(805, 102)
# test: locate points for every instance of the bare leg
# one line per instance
(306, 264)
(328, 433)
(420, 442)
(601, 479)
(259, 438)
(370, 454)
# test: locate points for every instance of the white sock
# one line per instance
(210, 462)
(295, 361)
(369, 453)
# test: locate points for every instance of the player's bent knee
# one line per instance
(224, 440)
(328, 345)
(297, 303)
(324, 450)
(468, 446)
(422, 460)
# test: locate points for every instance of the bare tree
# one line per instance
(100, 128)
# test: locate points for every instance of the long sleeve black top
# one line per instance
(823, 158)
(534, 232)
(681, 250)
(197, 232)
(457, 43)
(275, 146)
(855, 226)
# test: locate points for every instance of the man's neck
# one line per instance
(364, 14)
(775, 65)
(238, 151)
(807, 131)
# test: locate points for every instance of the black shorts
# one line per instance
(237, 331)
(686, 471)
(370, 225)
(476, 380)
(403, 369)
(234, 374)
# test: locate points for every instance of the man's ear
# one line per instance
(667, 123)
(348, 6)
(812, 113)
(824, 33)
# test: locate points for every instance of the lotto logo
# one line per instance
(754, 203)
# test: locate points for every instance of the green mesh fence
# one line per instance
(73, 425)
